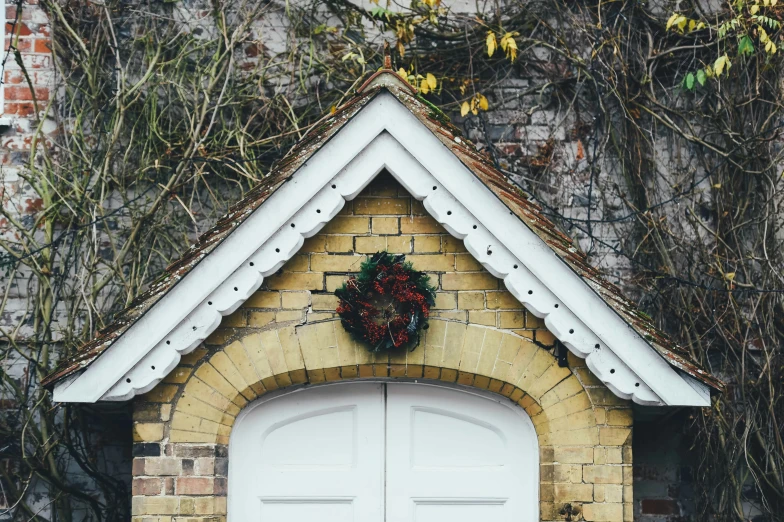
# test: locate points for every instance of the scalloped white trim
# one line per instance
(452, 195)
(384, 152)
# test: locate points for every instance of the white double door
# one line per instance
(372, 452)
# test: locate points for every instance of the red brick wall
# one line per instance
(27, 29)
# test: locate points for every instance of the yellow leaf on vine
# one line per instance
(671, 21)
(491, 43)
(509, 45)
(432, 82)
(770, 46)
(720, 63)
(464, 108)
(681, 22)
(481, 102)
(754, 9)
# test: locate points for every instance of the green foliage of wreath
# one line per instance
(387, 303)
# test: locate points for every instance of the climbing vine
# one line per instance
(745, 29)
(651, 134)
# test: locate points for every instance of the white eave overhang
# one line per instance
(384, 135)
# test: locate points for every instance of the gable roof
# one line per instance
(634, 362)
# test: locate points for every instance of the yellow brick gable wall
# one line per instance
(287, 334)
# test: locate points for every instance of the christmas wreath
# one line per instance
(387, 303)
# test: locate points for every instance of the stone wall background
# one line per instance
(541, 150)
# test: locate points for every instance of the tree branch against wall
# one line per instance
(668, 122)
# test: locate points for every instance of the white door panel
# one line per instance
(297, 509)
(373, 452)
(310, 455)
(464, 510)
(454, 455)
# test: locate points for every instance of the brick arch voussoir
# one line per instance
(471, 355)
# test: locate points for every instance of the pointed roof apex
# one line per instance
(542, 267)
(386, 78)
